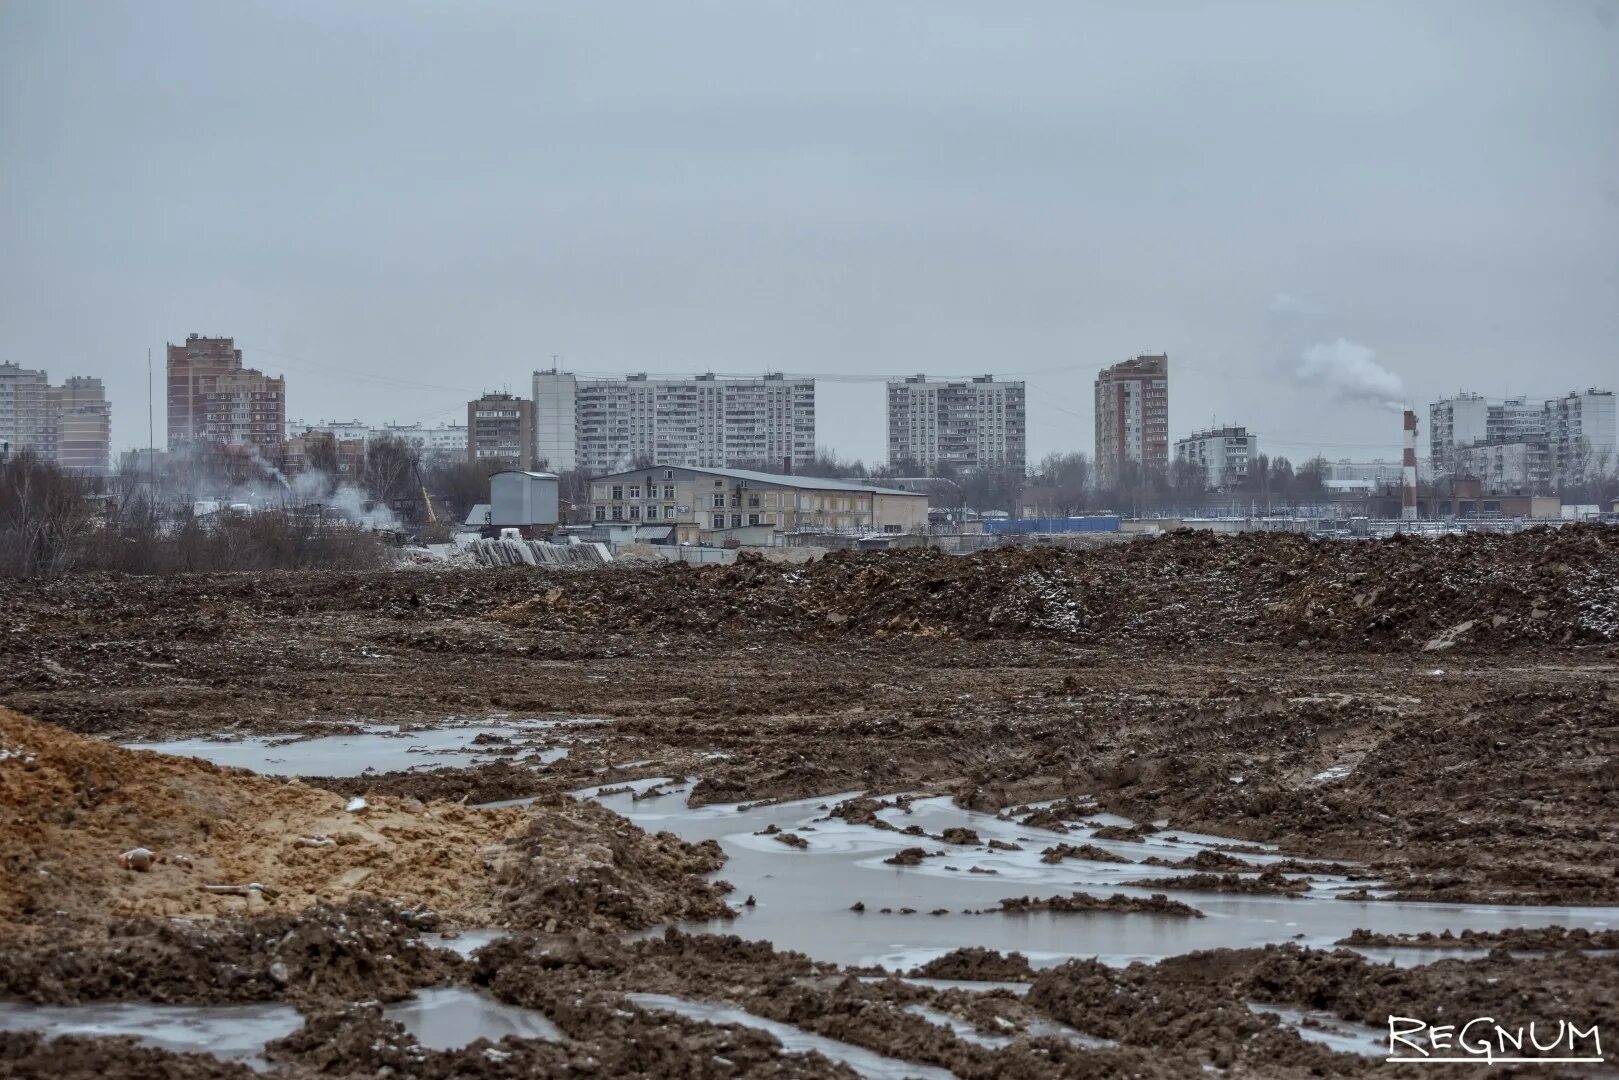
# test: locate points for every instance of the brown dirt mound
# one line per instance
(363, 949)
(79, 1057)
(1157, 904)
(1518, 937)
(973, 962)
(1536, 586)
(581, 866)
(494, 782)
(1081, 851)
(1270, 882)
(1214, 862)
(70, 805)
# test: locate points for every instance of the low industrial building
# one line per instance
(719, 505)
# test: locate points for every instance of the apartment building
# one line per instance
(70, 424)
(701, 501)
(84, 426)
(1222, 454)
(706, 421)
(1580, 429)
(1533, 443)
(442, 442)
(213, 398)
(1516, 468)
(28, 423)
(339, 457)
(501, 427)
(962, 426)
(1132, 416)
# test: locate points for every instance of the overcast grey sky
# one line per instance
(399, 204)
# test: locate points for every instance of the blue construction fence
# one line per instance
(1091, 523)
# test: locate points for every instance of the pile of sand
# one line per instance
(69, 806)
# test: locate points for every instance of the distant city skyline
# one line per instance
(439, 204)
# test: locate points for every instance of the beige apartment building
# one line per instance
(699, 502)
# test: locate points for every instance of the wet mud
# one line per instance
(1436, 721)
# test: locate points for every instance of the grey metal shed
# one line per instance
(521, 498)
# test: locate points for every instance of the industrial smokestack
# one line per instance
(1408, 470)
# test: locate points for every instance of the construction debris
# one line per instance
(137, 859)
(250, 889)
(503, 551)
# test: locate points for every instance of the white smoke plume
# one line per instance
(1351, 372)
(313, 487)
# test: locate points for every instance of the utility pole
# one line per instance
(151, 433)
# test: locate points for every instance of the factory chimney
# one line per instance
(1408, 471)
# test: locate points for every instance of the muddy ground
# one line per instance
(1445, 714)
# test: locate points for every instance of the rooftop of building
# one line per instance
(530, 473)
(797, 480)
(920, 379)
(1229, 431)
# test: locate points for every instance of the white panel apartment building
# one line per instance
(27, 420)
(1532, 443)
(704, 421)
(965, 425)
(441, 441)
(1223, 454)
(1582, 432)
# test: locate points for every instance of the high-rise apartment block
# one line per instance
(500, 427)
(961, 425)
(27, 421)
(1521, 445)
(70, 425)
(212, 398)
(84, 430)
(1581, 430)
(706, 421)
(1223, 455)
(1132, 416)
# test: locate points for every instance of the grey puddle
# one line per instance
(378, 749)
(802, 902)
(803, 896)
(232, 1032)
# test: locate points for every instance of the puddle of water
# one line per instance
(376, 749)
(1329, 1030)
(959, 1028)
(233, 1032)
(802, 896)
(867, 1063)
(448, 1018)
(465, 942)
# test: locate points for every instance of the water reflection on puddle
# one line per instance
(1329, 1030)
(233, 1032)
(803, 896)
(448, 1018)
(377, 749)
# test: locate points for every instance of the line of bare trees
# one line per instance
(53, 523)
